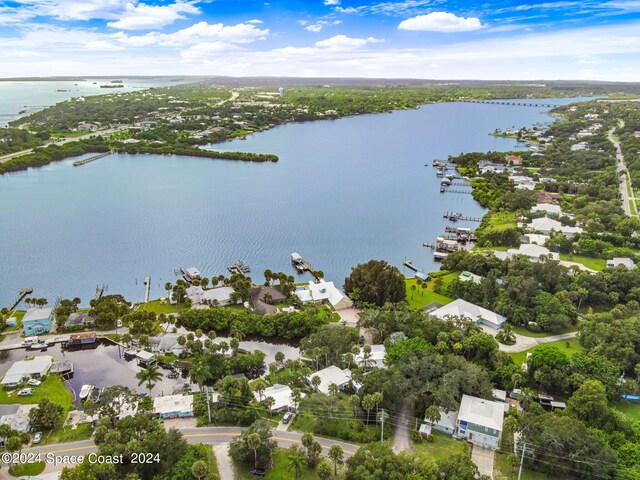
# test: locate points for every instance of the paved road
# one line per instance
(525, 343)
(621, 167)
(206, 435)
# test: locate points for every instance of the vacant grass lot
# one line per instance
(422, 297)
(589, 262)
(443, 447)
(52, 388)
(280, 470)
(156, 307)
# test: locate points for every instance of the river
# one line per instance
(343, 192)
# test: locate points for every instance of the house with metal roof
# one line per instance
(462, 309)
(323, 292)
(547, 225)
(281, 395)
(23, 370)
(332, 375)
(173, 406)
(200, 296)
(37, 321)
(533, 252)
(624, 261)
(480, 421)
(376, 358)
(447, 423)
(80, 319)
(469, 277)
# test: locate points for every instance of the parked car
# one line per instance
(33, 382)
(287, 417)
(258, 472)
(37, 437)
(118, 323)
(25, 392)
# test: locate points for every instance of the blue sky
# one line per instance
(437, 39)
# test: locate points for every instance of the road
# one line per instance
(621, 167)
(525, 343)
(205, 435)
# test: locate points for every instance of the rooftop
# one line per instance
(173, 403)
(331, 375)
(468, 310)
(485, 413)
(35, 314)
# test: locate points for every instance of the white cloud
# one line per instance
(440, 22)
(332, 2)
(348, 9)
(207, 49)
(319, 25)
(198, 32)
(143, 17)
(255, 21)
(101, 45)
(342, 42)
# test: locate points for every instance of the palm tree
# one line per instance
(269, 402)
(368, 403)
(335, 454)
(200, 373)
(279, 358)
(432, 413)
(259, 387)
(204, 282)
(296, 460)
(235, 343)
(267, 298)
(168, 287)
(377, 399)
(366, 357)
(149, 375)
(315, 381)
(254, 442)
(126, 339)
(236, 332)
(355, 404)
(333, 389)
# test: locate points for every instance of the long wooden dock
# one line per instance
(23, 293)
(453, 216)
(91, 159)
(505, 102)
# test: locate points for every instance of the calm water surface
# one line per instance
(343, 192)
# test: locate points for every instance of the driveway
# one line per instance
(225, 464)
(525, 343)
(349, 315)
(484, 459)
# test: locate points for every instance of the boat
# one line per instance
(190, 274)
(84, 338)
(298, 262)
(21, 112)
(85, 391)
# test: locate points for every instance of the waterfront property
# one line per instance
(547, 208)
(37, 321)
(332, 375)
(16, 421)
(80, 319)
(199, 296)
(624, 261)
(469, 277)
(272, 294)
(533, 252)
(462, 309)
(480, 421)
(323, 292)
(173, 406)
(24, 370)
(167, 343)
(547, 225)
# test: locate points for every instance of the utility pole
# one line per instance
(524, 449)
(208, 404)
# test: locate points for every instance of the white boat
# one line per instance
(85, 391)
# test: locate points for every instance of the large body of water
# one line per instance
(16, 96)
(343, 192)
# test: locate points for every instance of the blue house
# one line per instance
(37, 321)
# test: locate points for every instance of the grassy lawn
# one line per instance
(443, 447)
(67, 434)
(157, 307)
(568, 347)
(279, 470)
(52, 388)
(27, 469)
(589, 262)
(422, 297)
(527, 333)
(504, 470)
(630, 409)
(18, 314)
(502, 221)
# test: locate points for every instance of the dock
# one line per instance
(91, 159)
(455, 190)
(23, 293)
(506, 102)
(454, 216)
(410, 265)
(100, 291)
(147, 288)
(239, 267)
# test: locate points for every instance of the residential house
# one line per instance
(258, 299)
(167, 343)
(548, 225)
(173, 406)
(37, 321)
(547, 197)
(533, 252)
(480, 421)
(376, 358)
(281, 395)
(17, 421)
(332, 375)
(548, 208)
(463, 309)
(535, 239)
(23, 370)
(446, 424)
(624, 261)
(523, 182)
(80, 319)
(513, 159)
(469, 277)
(323, 292)
(200, 296)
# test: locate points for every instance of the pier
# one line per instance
(23, 293)
(454, 216)
(91, 159)
(506, 102)
(455, 190)
(239, 267)
(410, 265)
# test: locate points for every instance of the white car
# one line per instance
(118, 323)
(25, 392)
(37, 437)
(33, 382)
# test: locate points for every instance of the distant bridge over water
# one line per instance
(508, 102)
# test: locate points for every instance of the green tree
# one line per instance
(295, 459)
(46, 416)
(200, 469)
(149, 375)
(323, 470)
(589, 404)
(336, 454)
(376, 282)
(254, 442)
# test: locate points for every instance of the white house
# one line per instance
(547, 225)
(464, 309)
(323, 292)
(332, 375)
(16, 421)
(624, 261)
(24, 370)
(535, 238)
(376, 360)
(200, 296)
(469, 277)
(167, 343)
(280, 393)
(523, 182)
(173, 406)
(548, 208)
(480, 421)
(447, 422)
(533, 252)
